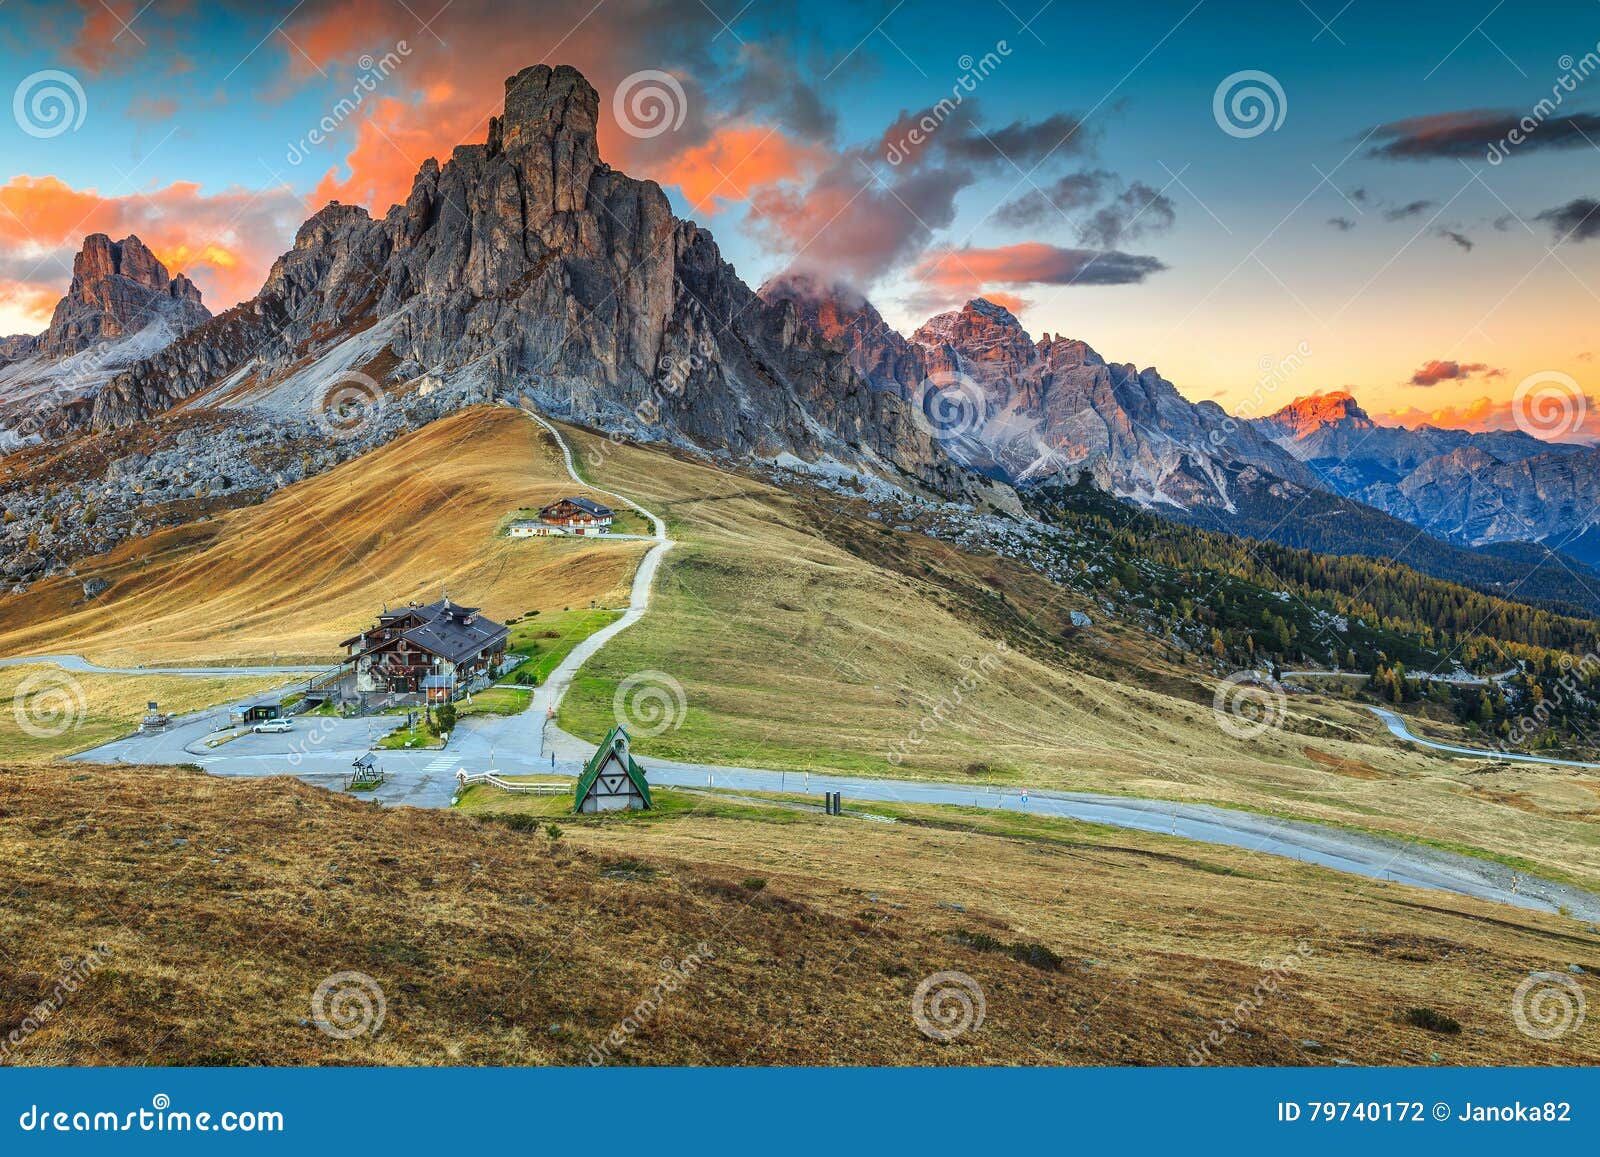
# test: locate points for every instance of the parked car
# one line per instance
(272, 725)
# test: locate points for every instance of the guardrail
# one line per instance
(493, 780)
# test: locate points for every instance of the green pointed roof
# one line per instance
(602, 754)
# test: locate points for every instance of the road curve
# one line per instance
(1397, 728)
(547, 698)
(530, 742)
(1375, 857)
(82, 666)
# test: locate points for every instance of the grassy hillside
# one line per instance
(800, 635)
(288, 579)
(804, 637)
(199, 933)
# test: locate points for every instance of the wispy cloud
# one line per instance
(1434, 372)
(1470, 133)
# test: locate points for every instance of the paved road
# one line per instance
(1454, 680)
(320, 751)
(81, 665)
(1397, 728)
(548, 696)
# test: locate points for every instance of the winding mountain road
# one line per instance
(547, 698)
(1398, 729)
(82, 666)
(531, 742)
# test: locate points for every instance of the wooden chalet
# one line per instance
(441, 651)
(577, 516)
(611, 780)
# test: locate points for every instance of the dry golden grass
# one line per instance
(287, 580)
(51, 712)
(806, 637)
(215, 916)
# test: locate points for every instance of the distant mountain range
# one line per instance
(1476, 489)
(525, 267)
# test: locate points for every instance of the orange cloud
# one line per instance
(1433, 372)
(224, 241)
(1008, 301)
(391, 142)
(25, 308)
(102, 35)
(734, 163)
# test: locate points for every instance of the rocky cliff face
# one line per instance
(14, 349)
(118, 288)
(841, 315)
(1473, 497)
(527, 267)
(1028, 411)
(122, 307)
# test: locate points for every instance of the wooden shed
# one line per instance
(611, 780)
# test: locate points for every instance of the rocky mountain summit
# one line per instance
(1337, 438)
(118, 288)
(1027, 411)
(525, 266)
(123, 306)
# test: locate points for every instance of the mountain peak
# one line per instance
(118, 287)
(1306, 415)
(549, 104)
(978, 323)
(993, 311)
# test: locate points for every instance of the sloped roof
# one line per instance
(587, 505)
(449, 630)
(603, 755)
(456, 639)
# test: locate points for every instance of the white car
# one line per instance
(272, 725)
